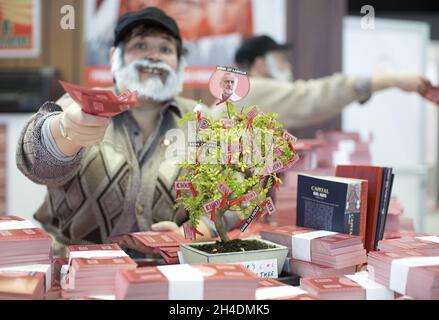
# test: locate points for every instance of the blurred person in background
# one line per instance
(303, 103)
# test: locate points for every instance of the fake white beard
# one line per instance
(275, 73)
(127, 76)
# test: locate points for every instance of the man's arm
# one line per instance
(34, 160)
(44, 154)
(303, 103)
(408, 82)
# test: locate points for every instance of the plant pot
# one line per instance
(192, 255)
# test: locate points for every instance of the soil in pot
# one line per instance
(236, 245)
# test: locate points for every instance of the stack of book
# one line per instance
(379, 190)
(332, 204)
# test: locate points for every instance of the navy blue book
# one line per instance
(332, 203)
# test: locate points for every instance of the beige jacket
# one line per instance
(302, 103)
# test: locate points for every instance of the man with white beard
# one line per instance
(110, 176)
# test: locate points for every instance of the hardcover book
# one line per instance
(380, 181)
(332, 203)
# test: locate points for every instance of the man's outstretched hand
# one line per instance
(409, 82)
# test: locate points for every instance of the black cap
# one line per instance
(150, 16)
(258, 46)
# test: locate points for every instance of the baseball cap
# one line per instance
(150, 16)
(257, 46)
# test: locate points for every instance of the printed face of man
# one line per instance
(228, 83)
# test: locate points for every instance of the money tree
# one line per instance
(231, 164)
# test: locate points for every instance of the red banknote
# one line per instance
(101, 102)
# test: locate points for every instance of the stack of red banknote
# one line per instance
(187, 282)
(92, 269)
(101, 102)
(24, 285)
(22, 243)
(350, 287)
(28, 282)
(164, 243)
(414, 273)
(324, 248)
(423, 243)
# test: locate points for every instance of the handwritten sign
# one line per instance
(262, 268)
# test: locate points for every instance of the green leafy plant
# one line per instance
(232, 165)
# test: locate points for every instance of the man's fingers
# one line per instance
(75, 114)
(89, 120)
(86, 131)
(164, 226)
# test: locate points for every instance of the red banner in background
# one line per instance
(212, 30)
